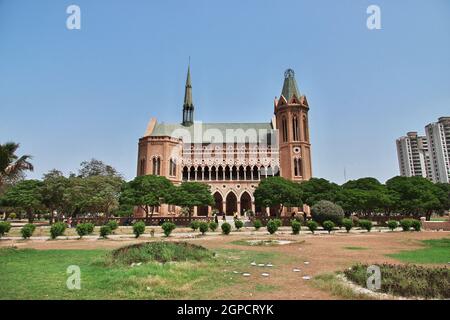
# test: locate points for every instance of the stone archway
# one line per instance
(246, 202)
(202, 211)
(218, 202)
(231, 204)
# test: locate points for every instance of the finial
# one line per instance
(289, 73)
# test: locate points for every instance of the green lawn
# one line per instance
(436, 251)
(41, 274)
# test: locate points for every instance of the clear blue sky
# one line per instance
(68, 96)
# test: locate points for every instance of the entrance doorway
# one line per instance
(231, 204)
(246, 202)
(218, 202)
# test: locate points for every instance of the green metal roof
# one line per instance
(223, 132)
(290, 85)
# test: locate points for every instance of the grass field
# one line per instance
(436, 251)
(41, 274)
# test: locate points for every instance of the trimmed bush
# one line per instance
(257, 224)
(213, 226)
(328, 225)
(82, 229)
(168, 227)
(312, 225)
(355, 220)
(89, 227)
(203, 227)
(4, 228)
(12, 216)
(392, 224)
(296, 226)
(226, 228)
(406, 224)
(272, 226)
(105, 231)
(238, 224)
(57, 229)
(27, 230)
(416, 224)
(278, 222)
(113, 225)
(347, 224)
(366, 224)
(194, 225)
(138, 228)
(327, 211)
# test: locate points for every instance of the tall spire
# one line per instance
(188, 106)
(290, 85)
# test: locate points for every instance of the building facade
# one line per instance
(413, 155)
(426, 156)
(438, 135)
(232, 158)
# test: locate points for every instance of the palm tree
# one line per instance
(12, 167)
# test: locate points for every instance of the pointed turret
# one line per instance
(290, 88)
(188, 105)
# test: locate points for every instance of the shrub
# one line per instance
(406, 224)
(12, 216)
(82, 229)
(348, 224)
(238, 224)
(312, 225)
(278, 222)
(366, 224)
(226, 228)
(296, 225)
(203, 227)
(168, 227)
(57, 229)
(194, 225)
(4, 228)
(328, 225)
(392, 224)
(112, 224)
(138, 228)
(27, 230)
(416, 224)
(89, 227)
(272, 226)
(213, 226)
(257, 224)
(327, 211)
(105, 231)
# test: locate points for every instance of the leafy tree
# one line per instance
(417, 196)
(12, 166)
(147, 193)
(53, 189)
(317, 189)
(327, 211)
(102, 194)
(191, 194)
(25, 195)
(96, 167)
(277, 191)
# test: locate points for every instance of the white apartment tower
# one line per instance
(438, 136)
(413, 157)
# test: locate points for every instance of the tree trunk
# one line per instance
(280, 211)
(30, 216)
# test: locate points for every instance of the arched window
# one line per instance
(284, 129)
(295, 128)
(305, 129)
(156, 165)
(297, 167)
(172, 167)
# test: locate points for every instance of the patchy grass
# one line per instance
(407, 280)
(330, 283)
(41, 274)
(355, 248)
(265, 242)
(435, 252)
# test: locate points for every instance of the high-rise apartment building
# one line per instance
(413, 157)
(438, 135)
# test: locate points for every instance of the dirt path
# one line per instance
(325, 253)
